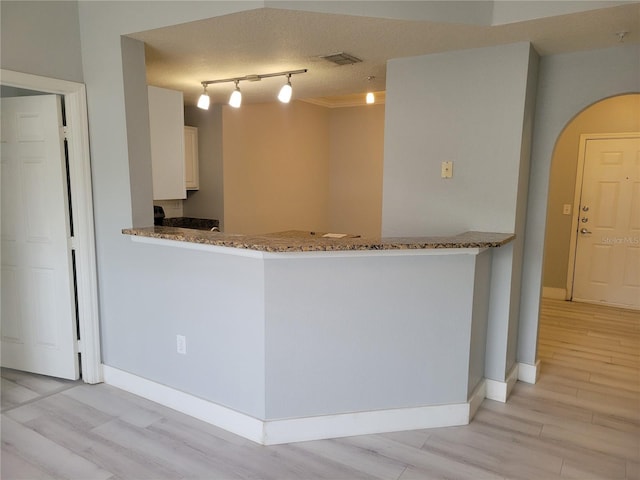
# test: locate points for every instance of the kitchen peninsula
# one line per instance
(301, 336)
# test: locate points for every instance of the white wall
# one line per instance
(568, 83)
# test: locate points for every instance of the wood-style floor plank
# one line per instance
(581, 421)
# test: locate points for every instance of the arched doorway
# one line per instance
(612, 115)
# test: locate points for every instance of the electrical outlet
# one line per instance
(181, 344)
(446, 170)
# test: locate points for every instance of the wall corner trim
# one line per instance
(500, 391)
(529, 373)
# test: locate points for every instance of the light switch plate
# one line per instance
(446, 170)
(181, 344)
(566, 209)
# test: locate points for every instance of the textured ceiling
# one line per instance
(270, 40)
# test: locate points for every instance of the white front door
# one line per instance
(38, 302)
(607, 266)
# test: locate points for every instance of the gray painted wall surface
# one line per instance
(470, 111)
(216, 301)
(208, 201)
(504, 314)
(476, 110)
(134, 75)
(480, 320)
(366, 333)
(567, 84)
(41, 38)
(111, 129)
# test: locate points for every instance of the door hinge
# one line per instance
(79, 346)
(65, 132)
(73, 243)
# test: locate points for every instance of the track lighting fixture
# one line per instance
(203, 101)
(235, 100)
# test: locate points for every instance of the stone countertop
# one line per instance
(300, 241)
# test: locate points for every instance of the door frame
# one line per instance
(584, 138)
(83, 241)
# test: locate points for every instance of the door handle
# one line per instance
(584, 231)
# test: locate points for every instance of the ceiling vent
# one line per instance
(341, 58)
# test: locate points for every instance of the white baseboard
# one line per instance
(364, 423)
(273, 432)
(500, 391)
(554, 293)
(225, 418)
(529, 373)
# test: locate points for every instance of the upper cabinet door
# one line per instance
(192, 177)
(166, 125)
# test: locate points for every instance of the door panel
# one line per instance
(607, 266)
(38, 309)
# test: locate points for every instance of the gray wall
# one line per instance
(208, 201)
(114, 133)
(397, 334)
(464, 106)
(567, 84)
(475, 108)
(41, 38)
(216, 301)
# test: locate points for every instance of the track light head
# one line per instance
(370, 98)
(235, 100)
(285, 92)
(204, 100)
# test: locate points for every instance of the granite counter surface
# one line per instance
(300, 241)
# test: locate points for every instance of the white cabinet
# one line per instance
(166, 125)
(191, 175)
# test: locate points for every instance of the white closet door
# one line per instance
(38, 302)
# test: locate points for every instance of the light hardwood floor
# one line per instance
(581, 420)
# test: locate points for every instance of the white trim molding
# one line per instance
(554, 293)
(500, 391)
(274, 432)
(529, 373)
